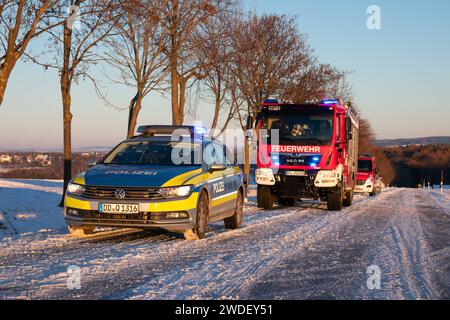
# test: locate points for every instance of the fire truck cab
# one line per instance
(367, 180)
(306, 151)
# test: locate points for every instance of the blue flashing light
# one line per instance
(313, 164)
(269, 101)
(316, 159)
(200, 130)
(329, 101)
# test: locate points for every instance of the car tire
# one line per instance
(201, 220)
(235, 221)
(348, 199)
(81, 231)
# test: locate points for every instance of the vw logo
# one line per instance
(119, 194)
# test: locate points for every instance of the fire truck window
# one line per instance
(301, 130)
(365, 165)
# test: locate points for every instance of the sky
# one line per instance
(400, 76)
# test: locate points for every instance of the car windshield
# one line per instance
(310, 128)
(365, 165)
(163, 153)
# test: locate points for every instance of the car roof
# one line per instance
(165, 138)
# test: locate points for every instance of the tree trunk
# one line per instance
(182, 103)
(134, 113)
(4, 76)
(216, 113)
(65, 82)
(67, 133)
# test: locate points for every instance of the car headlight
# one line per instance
(75, 189)
(175, 192)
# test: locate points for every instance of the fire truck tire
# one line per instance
(348, 198)
(265, 198)
(334, 200)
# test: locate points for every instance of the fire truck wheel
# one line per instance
(265, 198)
(348, 199)
(334, 200)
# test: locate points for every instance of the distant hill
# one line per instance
(386, 143)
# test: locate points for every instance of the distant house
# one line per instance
(6, 158)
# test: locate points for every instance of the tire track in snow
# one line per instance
(209, 268)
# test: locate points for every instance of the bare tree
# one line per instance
(75, 44)
(216, 51)
(20, 22)
(135, 51)
(269, 52)
(183, 21)
(316, 81)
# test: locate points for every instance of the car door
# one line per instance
(218, 187)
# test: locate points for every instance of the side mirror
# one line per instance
(348, 125)
(349, 136)
(92, 163)
(217, 167)
(249, 124)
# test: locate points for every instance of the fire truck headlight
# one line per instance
(327, 178)
(264, 176)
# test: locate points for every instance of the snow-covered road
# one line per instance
(287, 253)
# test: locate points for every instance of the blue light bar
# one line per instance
(329, 101)
(200, 130)
(270, 101)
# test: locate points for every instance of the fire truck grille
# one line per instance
(130, 193)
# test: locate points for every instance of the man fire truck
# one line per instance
(306, 150)
(367, 180)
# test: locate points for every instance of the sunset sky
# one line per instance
(400, 76)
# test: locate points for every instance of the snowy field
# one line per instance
(304, 252)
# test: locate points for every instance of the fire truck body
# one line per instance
(367, 179)
(306, 150)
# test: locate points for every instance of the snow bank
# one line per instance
(30, 206)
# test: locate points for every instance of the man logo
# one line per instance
(119, 194)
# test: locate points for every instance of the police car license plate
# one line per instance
(118, 208)
(296, 173)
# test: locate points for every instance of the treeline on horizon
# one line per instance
(402, 166)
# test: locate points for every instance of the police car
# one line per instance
(167, 177)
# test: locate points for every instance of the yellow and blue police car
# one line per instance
(167, 177)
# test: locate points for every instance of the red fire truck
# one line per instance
(306, 151)
(367, 180)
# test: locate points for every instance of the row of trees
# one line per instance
(234, 60)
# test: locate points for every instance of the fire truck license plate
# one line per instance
(118, 208)
(296, 173)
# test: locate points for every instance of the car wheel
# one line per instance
(201, 221)
(81, 231)
(235, 221)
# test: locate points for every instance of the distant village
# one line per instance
(46, 165)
